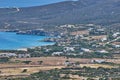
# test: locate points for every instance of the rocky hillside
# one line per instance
(104, 12)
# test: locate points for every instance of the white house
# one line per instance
(116, 34)
(117, 46)
(86, 50)
(69, 49)
(97, 61)
(104, 39)
(24, 55)
(103, 51)
(57, 53)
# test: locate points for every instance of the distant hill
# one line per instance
(104, 12)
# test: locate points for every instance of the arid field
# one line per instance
(16, 69)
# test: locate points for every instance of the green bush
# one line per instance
(27, 62)
(4, 59)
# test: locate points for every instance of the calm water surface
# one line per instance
(12, 41)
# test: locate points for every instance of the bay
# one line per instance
(12, 41)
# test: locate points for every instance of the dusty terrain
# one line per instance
(16, 69)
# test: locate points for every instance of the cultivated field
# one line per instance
(16, 69)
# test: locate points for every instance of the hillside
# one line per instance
(104, 12)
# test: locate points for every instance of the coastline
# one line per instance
(28, 43)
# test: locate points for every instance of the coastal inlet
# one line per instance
(13, 41)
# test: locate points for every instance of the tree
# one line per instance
(27, 62)
(4, 59)
(24, 70)
(40, 62)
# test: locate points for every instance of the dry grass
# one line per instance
(116, 43)
(59, 61)
(30, 70)
(53, 60)
(80, 32)
(96, 65)
(116, 61)
(98, 37)
(49, 63)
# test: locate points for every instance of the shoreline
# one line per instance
(23, 48)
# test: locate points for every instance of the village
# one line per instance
(78, 46)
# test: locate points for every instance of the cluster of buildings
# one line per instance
(86, 39)
(14, 55)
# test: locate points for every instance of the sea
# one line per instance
(13, 41)
(26, 3)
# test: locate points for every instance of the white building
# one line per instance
(69, 49)
(103, 51)
(97, 61)
(86, 50)
(116, 34)
(23, 55)
(57, 53)
(104, 39)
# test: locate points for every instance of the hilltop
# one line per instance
(103, 12)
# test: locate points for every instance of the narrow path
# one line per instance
(112, 41)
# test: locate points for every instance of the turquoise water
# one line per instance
(26, 3)
(12, 41)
